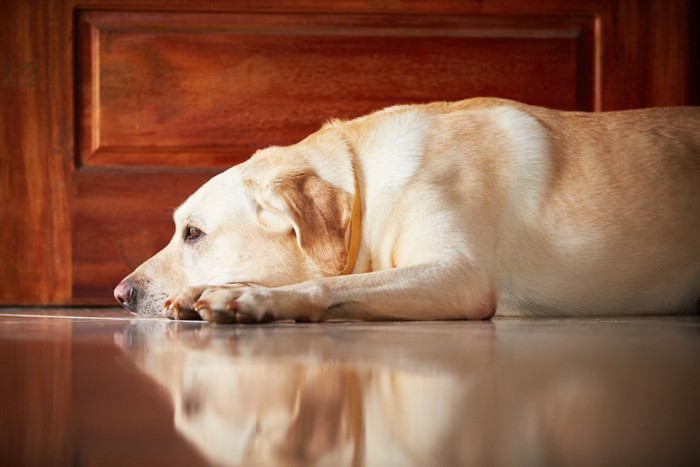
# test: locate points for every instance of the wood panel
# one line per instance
(36, 148)
(209, 89)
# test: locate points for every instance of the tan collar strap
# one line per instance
(355, 231)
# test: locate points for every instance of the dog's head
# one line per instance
(279, 218)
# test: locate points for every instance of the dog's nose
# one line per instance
(125, 294)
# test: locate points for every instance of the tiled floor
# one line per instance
(94, 387)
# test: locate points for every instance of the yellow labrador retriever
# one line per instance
(443, 211)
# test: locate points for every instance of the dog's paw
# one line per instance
(181, 304)
(222, 305)
(250, 305)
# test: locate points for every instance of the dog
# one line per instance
(465, 210)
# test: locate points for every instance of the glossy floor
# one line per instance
(94, 387)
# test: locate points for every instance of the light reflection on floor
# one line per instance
(86, 387)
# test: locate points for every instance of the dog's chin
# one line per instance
(150, 310)
(157, 312)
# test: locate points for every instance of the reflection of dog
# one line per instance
(489, 393)
(314, 400)
(454, 210)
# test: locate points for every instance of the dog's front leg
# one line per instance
(420, 292)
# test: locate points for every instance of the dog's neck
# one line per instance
(355, 230)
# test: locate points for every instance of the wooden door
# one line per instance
(114, 111)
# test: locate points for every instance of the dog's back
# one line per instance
(565, 212)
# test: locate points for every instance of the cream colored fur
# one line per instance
(470, 209)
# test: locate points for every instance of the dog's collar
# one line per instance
(355, 231)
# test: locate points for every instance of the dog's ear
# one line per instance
(318, 212)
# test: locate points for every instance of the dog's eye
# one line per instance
(192, 234)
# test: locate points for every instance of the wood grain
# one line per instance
(645, 47)
(36, 128)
